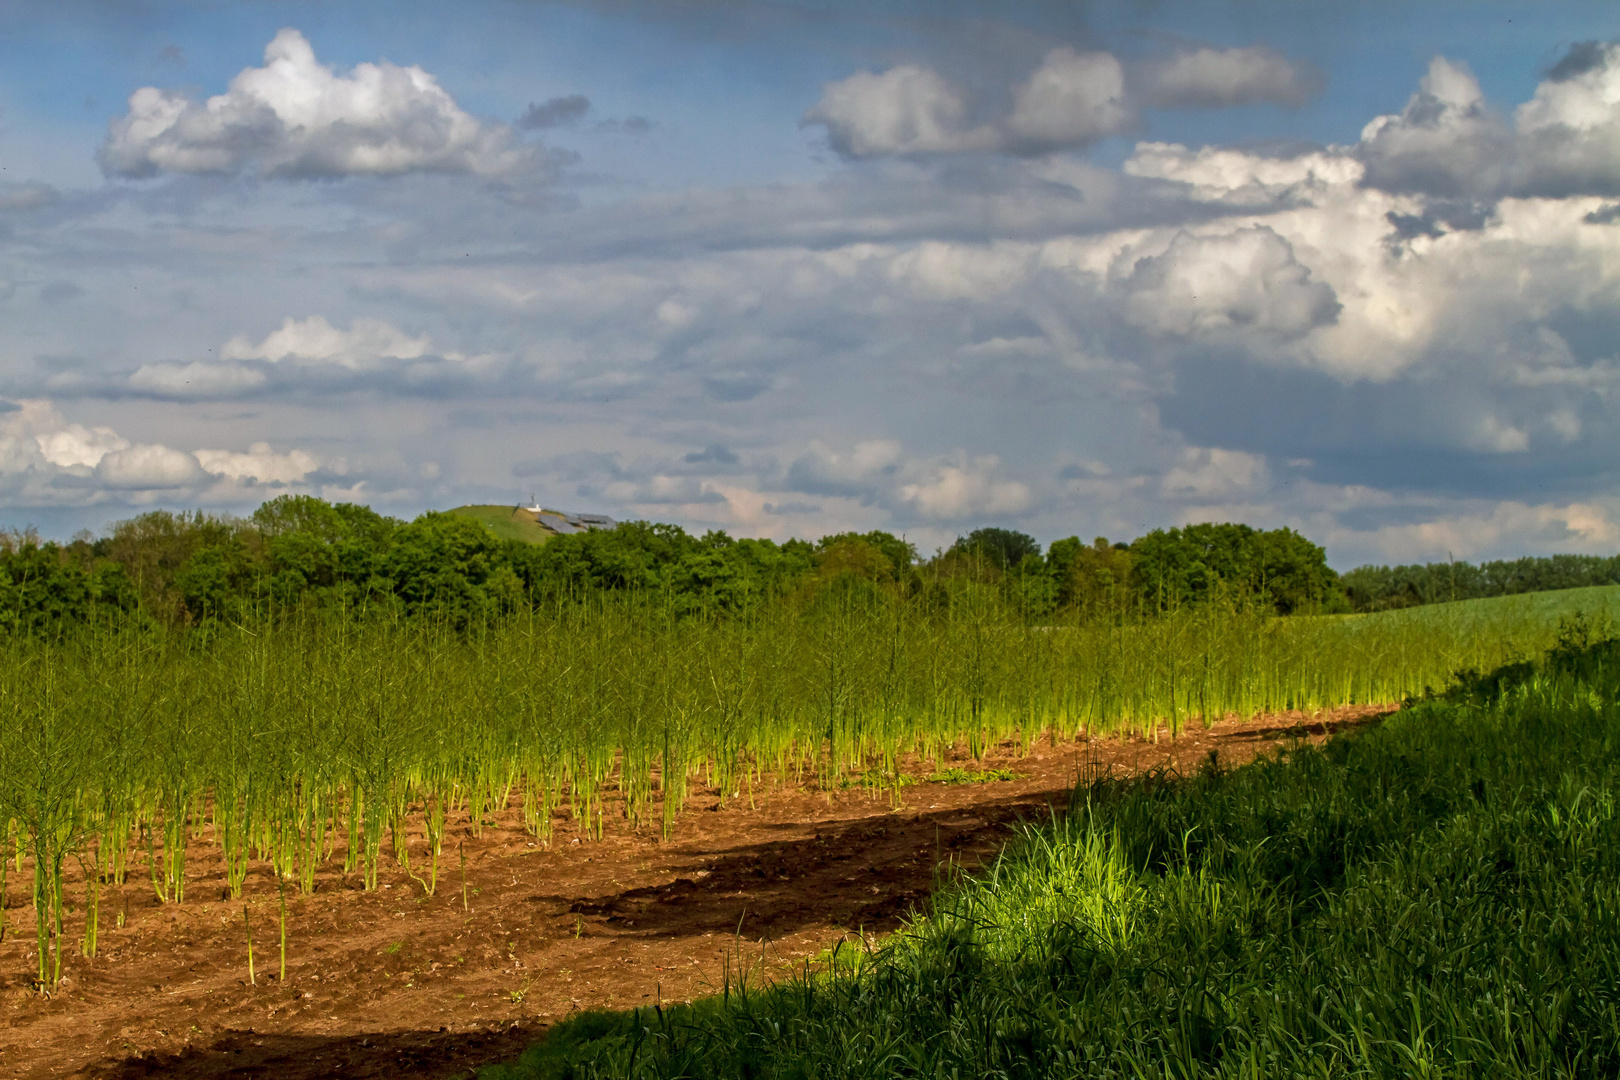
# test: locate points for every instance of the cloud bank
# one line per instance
(45, 460)
(1072, 99)
(1404, 346)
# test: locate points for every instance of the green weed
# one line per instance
(957, 775)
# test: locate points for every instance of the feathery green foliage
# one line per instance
(303, 740)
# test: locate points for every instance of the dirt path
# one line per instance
(393, 983)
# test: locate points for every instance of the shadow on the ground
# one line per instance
(867, 873)
(1315, 729)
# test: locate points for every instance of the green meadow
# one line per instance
(1537, 608)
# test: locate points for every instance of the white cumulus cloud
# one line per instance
(1570, 129)
(877, 472)
(47, 460)
(1450, 142)
(1242, 179)
(869, 465)
(314, 340)
(1214, 473)
(1508, 526)
(1493, 435)
(149, 467)
(62, 444)
(259, 465)
(1247, 280)
(962, 489)
(297, 117)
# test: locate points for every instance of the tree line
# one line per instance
(300, 553)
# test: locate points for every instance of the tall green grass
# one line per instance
(1439, 897)
(297, 744)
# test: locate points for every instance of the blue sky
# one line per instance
(791, 268)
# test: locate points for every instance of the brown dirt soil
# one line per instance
(393, 983)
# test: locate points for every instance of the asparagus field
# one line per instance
(293, 744)
(1433, 897)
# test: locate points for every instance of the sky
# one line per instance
(787, 269)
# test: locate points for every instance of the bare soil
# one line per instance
(398, 984)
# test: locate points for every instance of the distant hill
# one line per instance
(507, 522)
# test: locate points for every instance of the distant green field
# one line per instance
(1491, 630)
(506, 522)
(1544, 608)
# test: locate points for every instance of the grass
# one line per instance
(1438, 897)
(506, 522)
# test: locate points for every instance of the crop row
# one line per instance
(292, 744)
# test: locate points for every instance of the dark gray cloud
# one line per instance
(1457, 431)
(1246, 282)
(1439, 217)
(1071, 98)
(713, 454)
(554, 112)
(1582, 57)
(630, 125)
(1204, 77)
(60, 292)
(736, 386)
